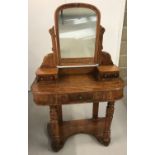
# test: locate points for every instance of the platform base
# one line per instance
(95, 127)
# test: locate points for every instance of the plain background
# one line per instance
(41, 18)
(14, 77)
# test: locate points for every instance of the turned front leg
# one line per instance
(108, 120)
(55, 119)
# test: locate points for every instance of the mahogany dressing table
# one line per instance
(77, 71)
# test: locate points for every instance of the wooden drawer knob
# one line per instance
(80, 97)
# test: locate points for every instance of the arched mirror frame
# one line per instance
(77, 61)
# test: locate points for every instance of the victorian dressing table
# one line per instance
(77, 71)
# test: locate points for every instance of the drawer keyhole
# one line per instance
(80, 97)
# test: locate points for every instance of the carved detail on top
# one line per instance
(49, 61)
(102, 30)
(52, 33)
(47, 70)
(105, 58)
(54, 47)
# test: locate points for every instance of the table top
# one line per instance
(75, 84)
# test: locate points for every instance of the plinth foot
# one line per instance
(104, 141)
(56, 144)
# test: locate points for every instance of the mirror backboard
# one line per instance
(76, 31)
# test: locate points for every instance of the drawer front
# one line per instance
(63, 99)
(80, 97)
(76, 98)
(90, 97)
(108, 95)
(44, 99)
(99, 96)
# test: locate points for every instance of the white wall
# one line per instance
(41, 18)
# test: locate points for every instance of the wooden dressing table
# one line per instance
(83, 79)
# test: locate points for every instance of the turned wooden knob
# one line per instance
(80, 97)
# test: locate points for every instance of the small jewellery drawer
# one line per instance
(76, 98)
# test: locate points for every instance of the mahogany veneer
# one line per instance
(77, 88)
(82, 88)
(55, 86)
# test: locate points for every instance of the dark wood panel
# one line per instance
(77, 61)
(76, 70)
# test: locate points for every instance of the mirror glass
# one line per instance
(77, 32)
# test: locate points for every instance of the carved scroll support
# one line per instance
(104, 58)
(101, 31)
(54, 47)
